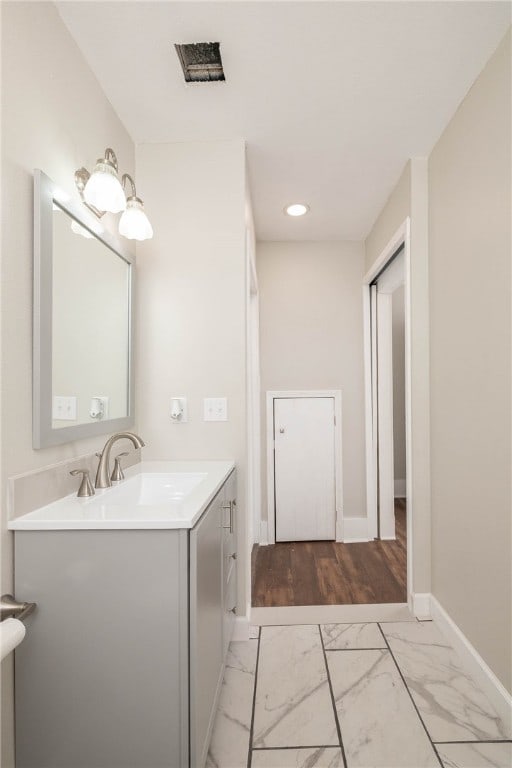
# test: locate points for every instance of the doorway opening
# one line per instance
(387, 323)
(362, 560)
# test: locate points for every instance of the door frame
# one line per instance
(253, 415)
(388, 282)
(401, 239)
(338, 475)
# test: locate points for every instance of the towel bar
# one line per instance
(11, 607)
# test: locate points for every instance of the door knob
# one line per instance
(282, 430)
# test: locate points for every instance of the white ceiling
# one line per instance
(332, 98)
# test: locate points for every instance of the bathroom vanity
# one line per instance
(136, 595)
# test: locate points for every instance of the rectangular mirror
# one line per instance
(83, 284)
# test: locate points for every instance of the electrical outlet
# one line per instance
(64, 408)
(98, 408)
(179, 411)
(215, 408)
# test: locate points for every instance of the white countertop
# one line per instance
(147, 498)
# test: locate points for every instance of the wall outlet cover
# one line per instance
(215, 408)
(64, 407)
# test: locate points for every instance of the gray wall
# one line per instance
(393, 213)
(470, 273)
(311, 337)
(409, 199)
(191, 299)
(54, 117)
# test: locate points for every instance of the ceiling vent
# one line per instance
(201, 62)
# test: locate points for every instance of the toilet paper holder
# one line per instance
(9, 606)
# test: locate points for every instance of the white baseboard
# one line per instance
(331, 614)
(355, 529)
(263, 533)
(421, 605)
(241, 629)
(400, 489)
(483, 675)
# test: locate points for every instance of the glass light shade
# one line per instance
(134, 224)
(103, 189)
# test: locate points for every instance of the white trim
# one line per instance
(240, 629)
(421, 605)
(263, 533)
(370, 355)
(400, 488)
(385, 438)
(253, 485)
(483, 675)
(338, 466)
(408, 406)
(331, 614)
(401, 236)
(355, 529)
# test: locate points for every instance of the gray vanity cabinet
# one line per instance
(229, 561)
(124, 657)
(206, 642)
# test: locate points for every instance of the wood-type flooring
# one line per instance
(330, 573)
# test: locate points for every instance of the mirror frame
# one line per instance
(44, 434)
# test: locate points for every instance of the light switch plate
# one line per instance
(215, 408)
(64, 408)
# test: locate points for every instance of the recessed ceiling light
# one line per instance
(296, 209)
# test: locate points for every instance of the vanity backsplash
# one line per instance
(34, 489)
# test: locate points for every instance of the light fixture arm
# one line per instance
(127, 178)
(110, 157)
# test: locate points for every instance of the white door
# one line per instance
(305, 485)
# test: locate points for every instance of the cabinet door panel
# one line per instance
(206, 617)
(229, 609)
(101, 677)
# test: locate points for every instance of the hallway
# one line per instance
(331, 573)
(391, 695)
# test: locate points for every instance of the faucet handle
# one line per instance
(118, 473)
(86, 488)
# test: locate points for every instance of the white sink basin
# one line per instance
(151, 488)
(155, 494)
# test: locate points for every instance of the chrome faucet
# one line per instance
(103, 474)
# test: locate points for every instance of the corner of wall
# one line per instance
(394, 212)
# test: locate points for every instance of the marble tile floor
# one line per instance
(369, 695)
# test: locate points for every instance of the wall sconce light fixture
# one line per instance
(102, 191)
(134, 224)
